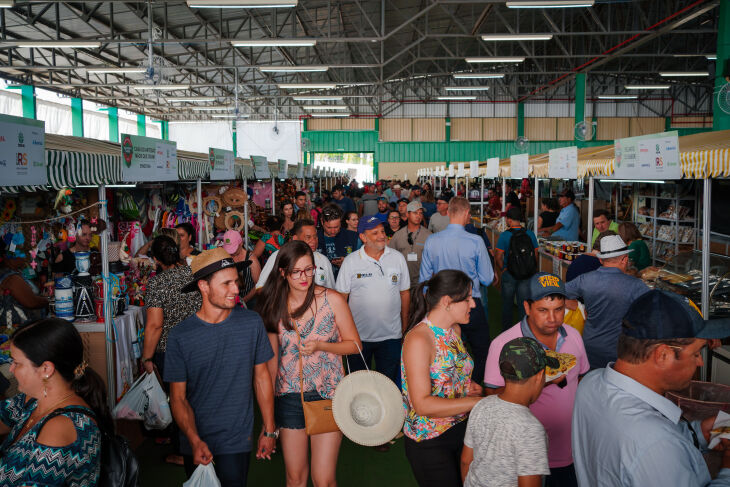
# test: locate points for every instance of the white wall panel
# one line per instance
(505, 110)
(198, 137)
(557, 109)
(483, 110)
(461, 110)
(96, 125)
(536, 110)
(11, 104)
(127, 126)
(56, 116)
(154, 130)
(259, 138)
(437, 110)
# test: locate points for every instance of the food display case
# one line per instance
(683, 275)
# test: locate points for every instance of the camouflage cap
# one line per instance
(522, 358)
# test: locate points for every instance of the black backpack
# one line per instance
(521, 261)
(119, 466)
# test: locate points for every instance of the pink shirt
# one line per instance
(554, 407)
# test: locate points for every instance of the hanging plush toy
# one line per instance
(71, 231)
(8, 211)
(63, 201)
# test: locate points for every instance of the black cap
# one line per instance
(514, 213)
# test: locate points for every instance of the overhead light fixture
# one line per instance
(515, 59)
(329, 115)
(307, 86)
(647, 87)
(456, 97)
(108, 186)
(211, 108)
(6, 3)
(316, 98)
(675, 74)
(466, 88)
(517, 37)
(218, 115)
(275, 43)
(194, 99)
(478, 75)
(59, 44)
(551, 4)
(711, 57)
(618, 97)
(169, 87)
(631, 181)
(324, 107)
(242, 3)
(294, 69)
(115, 70)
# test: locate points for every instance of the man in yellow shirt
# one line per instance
(601, 223)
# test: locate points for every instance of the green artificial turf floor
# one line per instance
(357, 466)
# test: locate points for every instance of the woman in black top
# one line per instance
(549, 213)
(186, 232)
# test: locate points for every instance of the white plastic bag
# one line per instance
(203, 476)
(145, 401)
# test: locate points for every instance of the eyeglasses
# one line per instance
(297, 274)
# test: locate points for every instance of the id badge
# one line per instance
(412, 257)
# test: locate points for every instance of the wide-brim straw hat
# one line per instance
(209, 262)
(612, 246)
(368, 408)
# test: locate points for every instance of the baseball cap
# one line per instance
(568, 193)
(383, 198)
(514, 213)
(404, 200)
(415, 206)
(231, 240)
(523, 357)
(544, 284)
(661, 315)
(368, 223)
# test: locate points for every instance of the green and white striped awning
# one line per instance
(192, 169)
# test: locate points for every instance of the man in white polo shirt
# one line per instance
(377, 282)
(305, 231)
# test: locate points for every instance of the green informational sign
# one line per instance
(283, 167)
(649, 157)
(261, 167)
(221, 164)
(145, 159)
(22, 151)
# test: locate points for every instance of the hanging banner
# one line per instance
(300, 170)
(22, 151)
(405, 176)
(282, 169)
(451, 171)
(653, 156)
(261, 167)
(461, 173)
(519, 166)
(146, 159)
(563, 163)
(310, 170)
(474, 169)
(221, 164)
(493, 167)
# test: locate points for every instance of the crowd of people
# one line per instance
(392, 279)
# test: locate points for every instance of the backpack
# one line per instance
(521, 261)
(119, 466)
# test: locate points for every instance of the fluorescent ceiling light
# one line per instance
(115, 70)
(59, 44)
(316, 98)
(478, 75)
(193, 99)
(329, 115)
(6, 3)
(551, 4)
(490, 59)
(324, 107)
(212, 107)
(647, 87)
(108, 186)
(618, 97)
(673, 74)
(631, 181)
(274, 43)
(517, 37)
(466, 88)
(711, 57)
(243, 115)
(242, 3)
(306, 86)
(456, 97)
(293, 69)
(160, 87)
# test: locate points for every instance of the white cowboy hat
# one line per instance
(612, 246)
(368, 408)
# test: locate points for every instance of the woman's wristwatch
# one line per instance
(274, 434)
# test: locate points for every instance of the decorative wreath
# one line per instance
(206, 206)
(229, 220)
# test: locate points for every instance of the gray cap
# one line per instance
(414, 206)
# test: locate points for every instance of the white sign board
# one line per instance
(145, 159)
(474, 169)
(22, 151)
(221, 164)
(519, 166)
(653, 156)
(462, 170)
(563, 163)
(493, 167)
(451, 171)
(261, 167)
(273, 140)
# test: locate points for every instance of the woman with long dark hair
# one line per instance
(310, 328)
(436, 378)
(53, 377)
(186, 232)
(287, 212)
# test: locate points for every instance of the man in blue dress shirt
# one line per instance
(455, 248)
(568, 222)
(625, 433)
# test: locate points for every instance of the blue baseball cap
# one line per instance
(661, 315)
(544, 284)
(368, 223)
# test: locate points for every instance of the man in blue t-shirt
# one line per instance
(512, 286)
(214, 360)
(345, 203)
(568, 223)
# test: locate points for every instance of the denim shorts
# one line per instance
(288, 412)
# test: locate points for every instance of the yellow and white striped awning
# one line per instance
(713, 163)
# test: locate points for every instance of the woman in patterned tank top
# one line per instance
(310, 329)
(436, 375)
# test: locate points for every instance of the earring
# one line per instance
(448, 308)
(45, 384)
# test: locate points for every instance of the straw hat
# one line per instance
(209, 262)
(368, 408)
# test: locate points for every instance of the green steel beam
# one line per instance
(580, 101)
(235, 138)
(77, 117)
(304, 124)
(720, 119)
(520, 119)
(141, 125)
(113, 113)
(27, 98)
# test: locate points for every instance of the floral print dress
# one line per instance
(450, 378)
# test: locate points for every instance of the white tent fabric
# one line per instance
(199, 137)
(260, 139)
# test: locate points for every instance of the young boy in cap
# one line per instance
(505, 445)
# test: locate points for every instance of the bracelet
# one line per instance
(145, 360)
(274, 434)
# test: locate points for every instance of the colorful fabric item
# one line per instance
(322, 370)
(28, 463)
(272, 244)
(450, 378)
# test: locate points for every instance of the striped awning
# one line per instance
(595, 167)
(192, 169)
(698, 164)
(70, 169)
